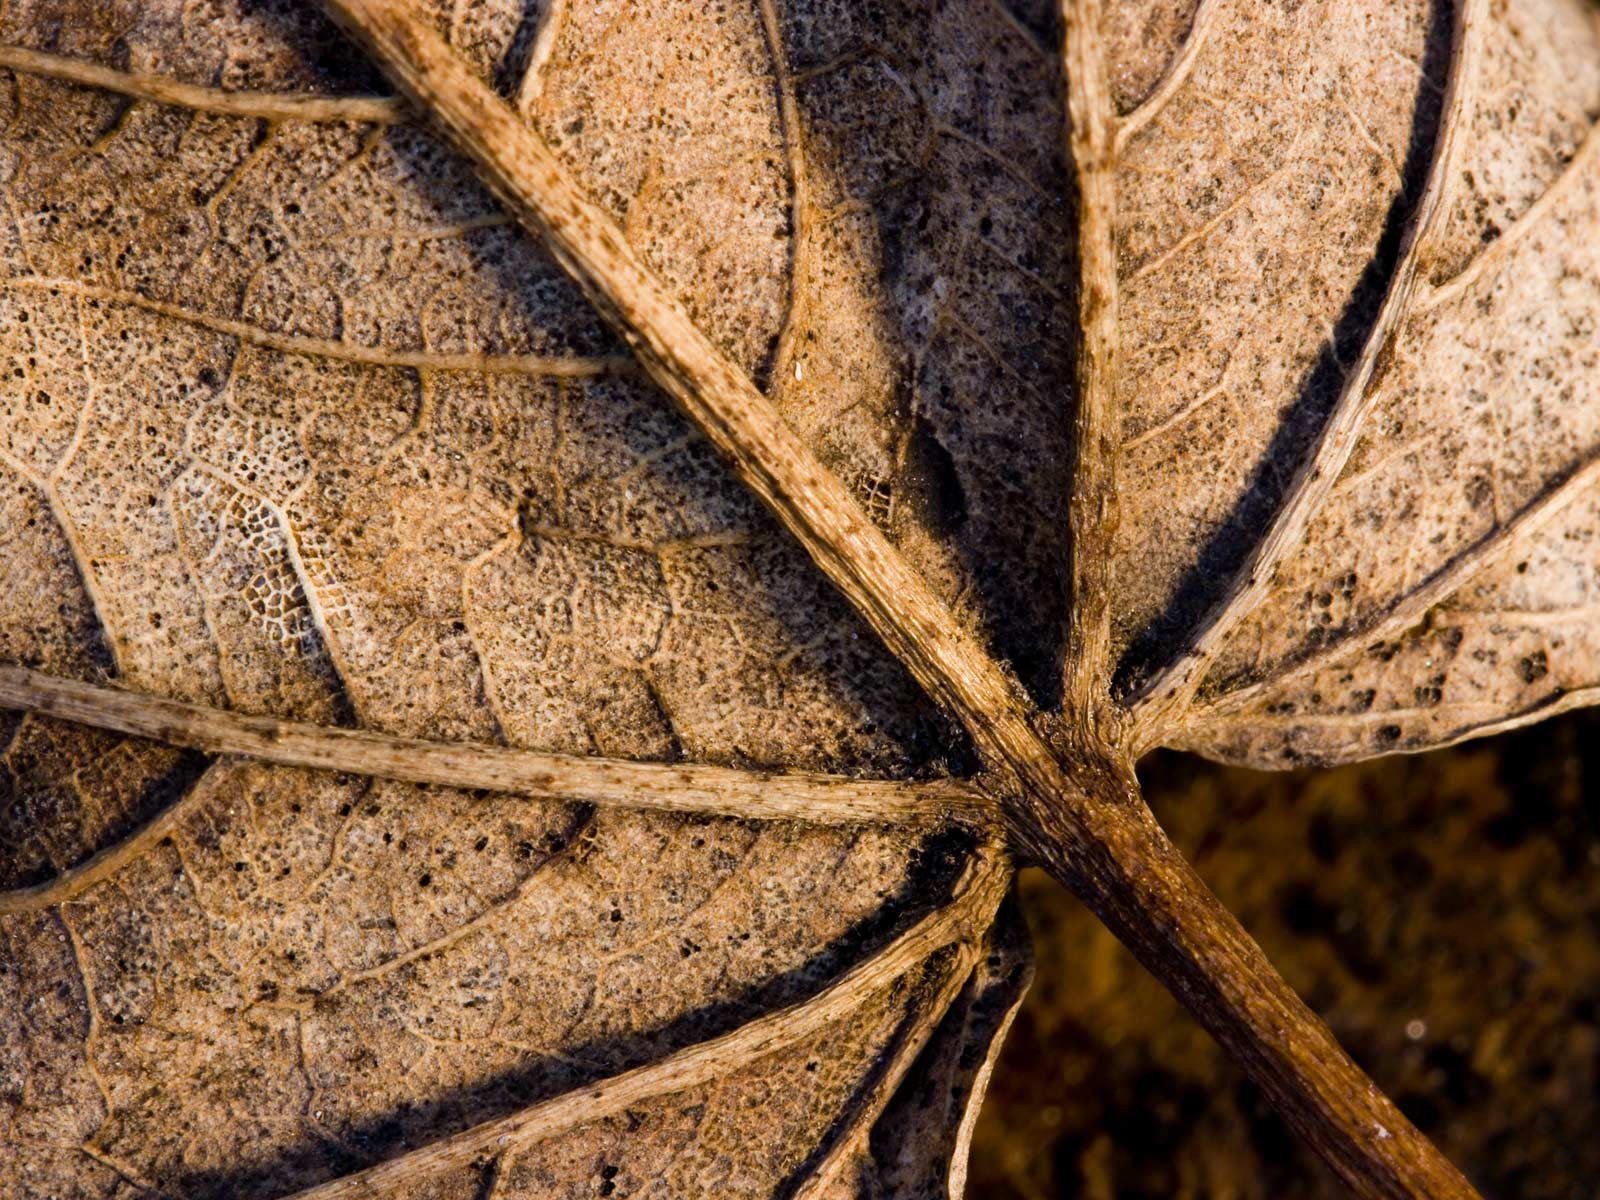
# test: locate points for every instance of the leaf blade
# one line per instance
(1481, 478)
(348, 629)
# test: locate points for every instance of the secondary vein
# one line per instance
(672, 787)
(271, 106)
(1160, 704)
(1093, 512)
(962, 919)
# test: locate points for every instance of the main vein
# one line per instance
(1080, 816)
(1093, 513)
(740, 421)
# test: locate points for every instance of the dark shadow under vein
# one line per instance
(936, 865)
(1224, 554)
(983, 343)
(510, 71)
(846, 1118)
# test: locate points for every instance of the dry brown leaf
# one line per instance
(1438, 583)
(434, 772)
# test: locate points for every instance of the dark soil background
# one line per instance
(1442, 913)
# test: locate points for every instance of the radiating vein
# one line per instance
(1553, 704)
(1097, 431)
(1583, 160)
(1201, 26)
(271, 106)
(672, 787)
(976, 897)
(848, 1135)
(82, 562)
(1162, 699)
(1410, 608)
(583, 818)
(551, 22)
(74, 881)
(1211, 224)
(1085, 820)
(745, 427)
(1169, 423)
(799, 194)
(544, 366)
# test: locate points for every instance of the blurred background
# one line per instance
(1442, 913)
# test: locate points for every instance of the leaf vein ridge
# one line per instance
(977, 895)
(270, 106)
(536, 365)
(1410, 607)
(674, 787)
(1158, 705)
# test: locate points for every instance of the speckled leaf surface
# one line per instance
(530, 601)
(301, 425)
(1462, 526)
(1442, 584)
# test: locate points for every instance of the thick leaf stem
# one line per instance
(1094, 509)
(1112, 853)
(769, 456)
